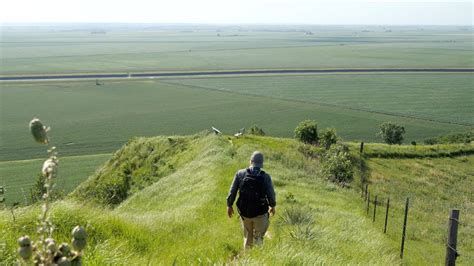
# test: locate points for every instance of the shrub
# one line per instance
(255, 130)
(38, 190)
(307, 132)
(391, 133)
(336, 164)
(328, 138)
(296, 216)
(430, 141)
(455, 138)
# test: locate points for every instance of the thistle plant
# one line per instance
(45, 250)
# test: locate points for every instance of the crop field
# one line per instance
(79, 49)
(90, 119)
(439, 97)
(17, 177)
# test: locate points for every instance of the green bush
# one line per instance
(430, 141)
(307, 132)
(391, 133)
(336, 164)
(255, 130)
(328, 138)
(38, 190)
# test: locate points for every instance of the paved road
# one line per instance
(235, 72)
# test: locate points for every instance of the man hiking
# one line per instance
(256, 200)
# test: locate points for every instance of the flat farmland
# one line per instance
(90, 119)
(440, 97)
(50, 50)
(19, 176)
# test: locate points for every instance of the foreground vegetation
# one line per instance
(173, 209)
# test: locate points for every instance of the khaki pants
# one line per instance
(254, 229)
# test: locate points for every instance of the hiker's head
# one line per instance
(256, 160)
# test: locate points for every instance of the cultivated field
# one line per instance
(134, 48)
(90, 119)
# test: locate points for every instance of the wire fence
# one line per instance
(374, 204)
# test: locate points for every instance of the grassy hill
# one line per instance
(168, 205)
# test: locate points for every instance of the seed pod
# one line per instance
(50, 167)
(64, 249)
(38, 131)
(79, 233)
(52, 247)
(63, 262)
(78, 244)
(77, 261)
(25, 252)
(24, 241)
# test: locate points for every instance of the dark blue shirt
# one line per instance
(267, 182)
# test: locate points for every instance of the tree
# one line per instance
(328, 138)
(307, 132)
(255, 130)
(336, 164)
(391, 133)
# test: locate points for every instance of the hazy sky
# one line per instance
(401, 12)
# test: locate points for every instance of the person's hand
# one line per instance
(272, 211)
(230, 211)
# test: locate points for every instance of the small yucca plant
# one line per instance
(45, 250)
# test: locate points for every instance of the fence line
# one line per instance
(451, 245)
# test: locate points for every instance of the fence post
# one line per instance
(386, 215)
(404, 228)
(366, 190)
(451, 253)
(375, 208)
(361, 147)
(368, 202)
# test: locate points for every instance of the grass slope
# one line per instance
(181, 217)
(435, 186)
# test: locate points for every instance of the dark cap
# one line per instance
(257, 159)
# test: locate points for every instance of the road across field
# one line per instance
(235, 72)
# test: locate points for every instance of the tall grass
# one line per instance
(180, 217)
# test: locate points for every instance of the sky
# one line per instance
(325, 12)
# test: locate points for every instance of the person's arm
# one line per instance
(270, 194)
(232, 194)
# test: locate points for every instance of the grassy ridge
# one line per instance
(181, 217)
(43, 50)
(90, 119)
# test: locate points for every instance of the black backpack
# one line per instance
(252, 200)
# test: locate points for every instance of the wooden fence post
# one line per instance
(404, 228)
(386, 215)
(375, 208)
(361, 147)
(368, 202)
(366, 190)
(451, 253)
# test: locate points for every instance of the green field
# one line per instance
(439, 97)
(126, 48)
(90, 119)
(180, 217)
(17, 177)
